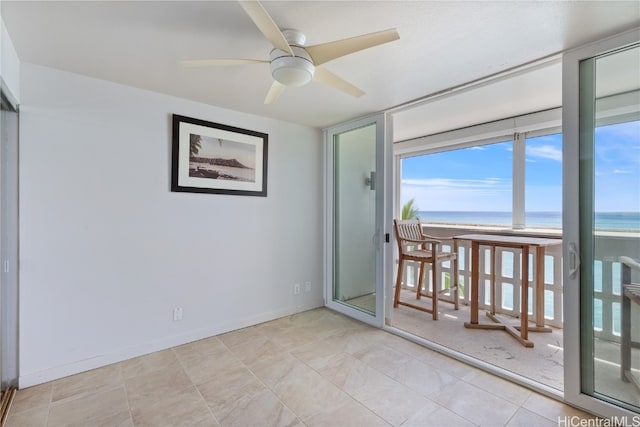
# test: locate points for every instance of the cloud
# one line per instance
(448, 183)
(443, 194)
(622, 171)
(545, 152)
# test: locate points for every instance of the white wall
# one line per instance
(107, 251)
(9, 66)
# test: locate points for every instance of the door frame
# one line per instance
(383, 182)
(571, 228)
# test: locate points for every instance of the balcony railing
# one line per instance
(607, 275)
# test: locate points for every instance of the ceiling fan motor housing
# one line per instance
(292, 70)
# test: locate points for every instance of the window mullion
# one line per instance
(518, 218)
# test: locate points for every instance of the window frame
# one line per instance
(516, 129)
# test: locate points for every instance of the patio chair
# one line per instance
(414, 245)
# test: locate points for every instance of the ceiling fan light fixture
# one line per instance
(292, 70)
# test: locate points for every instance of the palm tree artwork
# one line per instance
(195, 143)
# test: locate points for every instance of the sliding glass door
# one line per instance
(356, 219)
(602, 226)
(8, 244)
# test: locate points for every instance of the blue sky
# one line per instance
(479, 178)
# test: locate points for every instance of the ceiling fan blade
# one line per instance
(223, 61)
(274, 93)
(265, 24)
(324, 76)
(325, 52)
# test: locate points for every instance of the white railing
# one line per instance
(607, 277)
(609, 246)
(507, 286)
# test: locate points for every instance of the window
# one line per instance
(543, 181)
(466, 186)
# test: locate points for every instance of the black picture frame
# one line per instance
(211, 157)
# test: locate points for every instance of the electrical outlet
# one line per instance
(307, 286)
(296, 288)
(177, 314)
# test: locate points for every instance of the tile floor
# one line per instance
(543, 363)
(314, 368)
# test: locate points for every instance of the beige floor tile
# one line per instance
(307, 393)
(437, 417)
(198, 349)
(256, 348)
(383, 358)
(315, 368)
(354, 340)
(36, 417)
(80, 385)
(316, 354)
(551, 408)
(232, 339)
(202, 367)
(475, 405)
(148, 363)
(349, 373)
(186, 408)
(32, 397)
(169, 381)
(261, 409)
(502, 388)
(451, 366)
(223, 393)
(392, 401)
(423, 377)
(273, 368)
(410, 348)
(300, 336)
(525, 418)
(312, 317)
(108, 408)
(348, 414)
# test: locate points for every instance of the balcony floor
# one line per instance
(542, 363)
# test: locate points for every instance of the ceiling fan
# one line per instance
(294, 64)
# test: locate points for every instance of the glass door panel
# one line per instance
(609, 201)
(354, 156)
(601, 223)
(355, 212)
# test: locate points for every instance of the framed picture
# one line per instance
(213, 158)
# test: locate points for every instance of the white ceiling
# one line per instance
(442, 44)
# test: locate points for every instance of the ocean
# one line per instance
(603, 220)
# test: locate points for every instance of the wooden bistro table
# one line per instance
(526, 244)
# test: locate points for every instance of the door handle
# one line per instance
(574, 260)
(370, 181)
